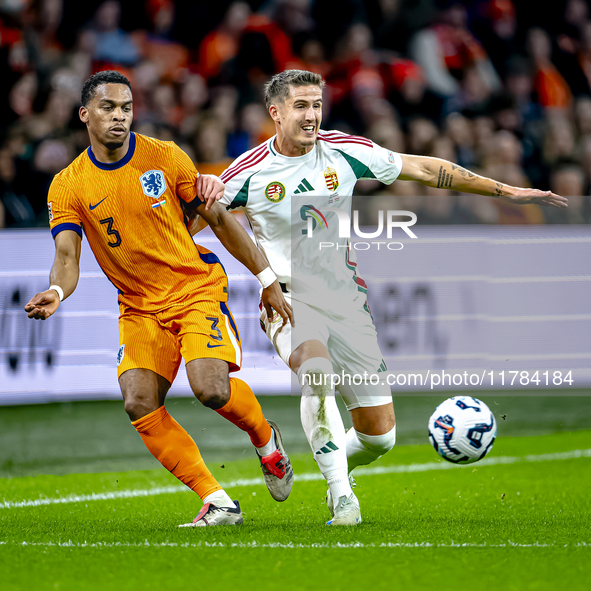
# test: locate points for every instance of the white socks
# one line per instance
(323, 425)
(269, 447)
(364, 449)
(219, 498)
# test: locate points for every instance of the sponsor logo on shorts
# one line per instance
(120, 355)
(275, 192)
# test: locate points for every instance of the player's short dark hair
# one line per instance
(278, 87)
(96, 80)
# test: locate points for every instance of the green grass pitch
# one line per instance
(84, 506)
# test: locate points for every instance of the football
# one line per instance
(462, 429)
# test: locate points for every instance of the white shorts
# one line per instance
(352, 344)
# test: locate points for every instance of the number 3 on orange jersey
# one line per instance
(112, 232)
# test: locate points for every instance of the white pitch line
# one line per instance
(309, 477)
(119, 494)
(289, 545)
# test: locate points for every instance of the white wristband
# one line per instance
(59, 290)
(267, 277)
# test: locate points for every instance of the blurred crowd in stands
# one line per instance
(502, 87)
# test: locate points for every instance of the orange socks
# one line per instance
(244, 411)
(173, 447)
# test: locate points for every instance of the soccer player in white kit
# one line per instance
(291, 178)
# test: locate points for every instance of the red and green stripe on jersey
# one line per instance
(352, 265)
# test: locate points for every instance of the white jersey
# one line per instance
(280, 193)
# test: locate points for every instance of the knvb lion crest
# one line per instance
(120, 355)
(331, 178)
(153, 183)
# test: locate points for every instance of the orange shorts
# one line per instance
(158, 341)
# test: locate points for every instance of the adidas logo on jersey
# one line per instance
(303, 187)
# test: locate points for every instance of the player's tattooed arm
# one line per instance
(466, 180)
(445, 178)
(442, 174)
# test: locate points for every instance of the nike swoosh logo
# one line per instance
(210, 346)
(91, 207)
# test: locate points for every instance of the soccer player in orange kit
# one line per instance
(126, 190)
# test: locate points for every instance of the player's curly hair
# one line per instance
(105, 77)
(278, 87)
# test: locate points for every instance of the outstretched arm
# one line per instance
(64, 273)
(442, 174)
(238, 243)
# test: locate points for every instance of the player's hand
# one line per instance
(527, 196)
(209, 189)
(273, 299)
(43, 305)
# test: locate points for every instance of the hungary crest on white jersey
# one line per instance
(293, 206)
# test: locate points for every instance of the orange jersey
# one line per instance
(131, 214)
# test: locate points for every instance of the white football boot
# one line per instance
(329, 501)
(346, 511)
(210, 514)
